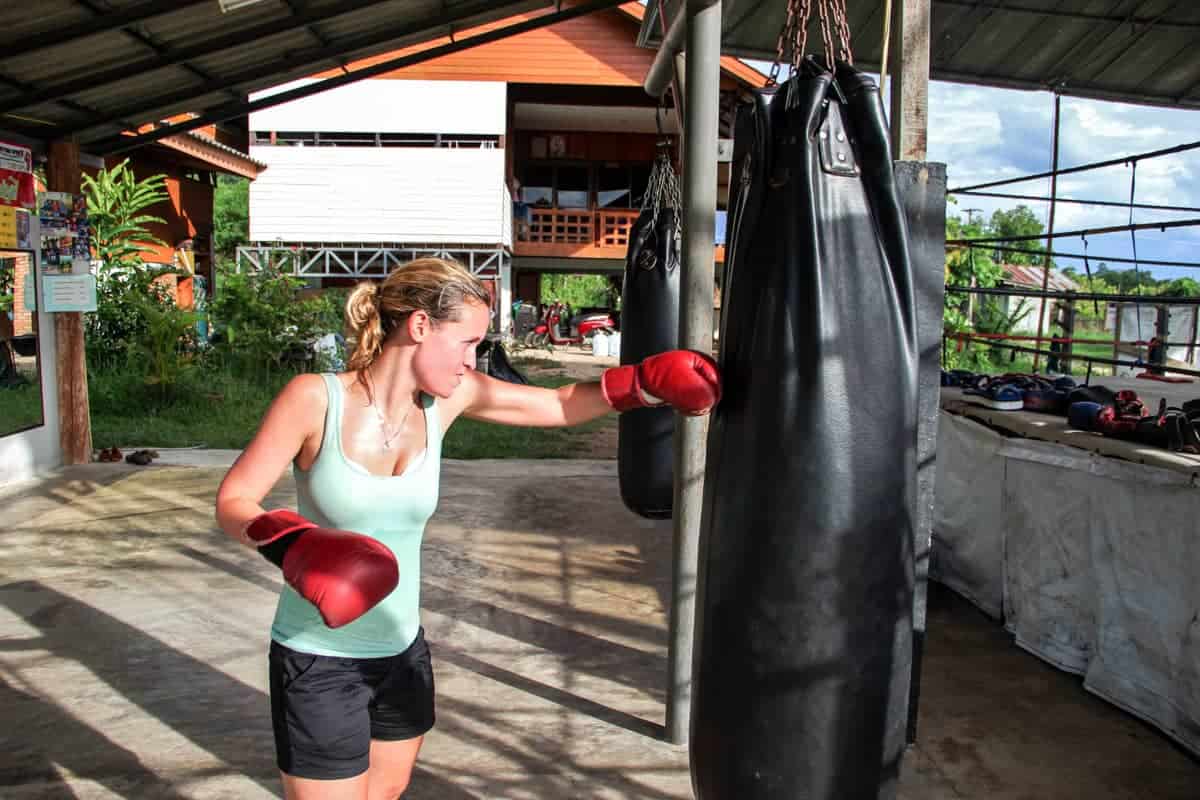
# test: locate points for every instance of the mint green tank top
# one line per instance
(338, 493)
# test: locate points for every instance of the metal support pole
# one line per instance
(696, 332)
(1049, 225)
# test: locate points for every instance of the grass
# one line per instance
(469, 438)
(221, 410)
(20, 407)
(210, 409)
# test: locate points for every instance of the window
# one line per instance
(367, 139)
(613, 187)
(640, 180)
(572, 185)
(538, 187)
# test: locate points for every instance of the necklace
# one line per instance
(383, 422)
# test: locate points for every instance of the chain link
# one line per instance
(662, 188)
(835, 34)
(826, 33)
(843, 26)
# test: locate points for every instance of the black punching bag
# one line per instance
(804, 596)
(649, 325)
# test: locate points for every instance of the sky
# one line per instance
(983, 134)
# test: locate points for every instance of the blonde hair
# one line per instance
(437, 286)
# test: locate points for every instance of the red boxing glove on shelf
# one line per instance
(684, 379)
(344, 574)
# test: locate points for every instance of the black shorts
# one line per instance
(326, 710)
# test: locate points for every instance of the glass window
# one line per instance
(20, 367)
(537, 189)
(573, 187)
(640, 175)
(613, 187)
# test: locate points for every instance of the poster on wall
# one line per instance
(65, 231)
(14, 229)
(16, 176)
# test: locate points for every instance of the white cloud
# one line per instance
(984, 134)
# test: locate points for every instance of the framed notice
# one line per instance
(68, 293)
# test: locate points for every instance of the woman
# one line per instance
(351, 681)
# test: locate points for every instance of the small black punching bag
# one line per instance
(804, 598)
(649, 325)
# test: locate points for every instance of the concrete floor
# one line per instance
(133, 654)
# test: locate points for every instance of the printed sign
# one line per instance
(14, 228)
(16, 176)
(69, 293)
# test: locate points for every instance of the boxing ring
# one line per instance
(1088, 557)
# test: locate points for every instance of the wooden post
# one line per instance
(1117, 335)
(910, 80)
(75, 423)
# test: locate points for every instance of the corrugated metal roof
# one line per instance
(1031, 277)
(1141, 51)
(66, 69)
(233, 151)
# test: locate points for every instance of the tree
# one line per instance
(577, 291)
(1181, 287)
(115, 202)
(1019, 221)
(231, 216)
(1127, 281)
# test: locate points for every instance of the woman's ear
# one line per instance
(420, 325)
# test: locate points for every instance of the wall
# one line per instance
(379, 194)
(595, 49)
(22, 317)
(378, 106)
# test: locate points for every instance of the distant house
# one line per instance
(1024, 276)
(525, 156)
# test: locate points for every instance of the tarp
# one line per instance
(1093, 562)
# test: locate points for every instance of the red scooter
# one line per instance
(559, 328)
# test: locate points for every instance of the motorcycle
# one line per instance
(559, 328)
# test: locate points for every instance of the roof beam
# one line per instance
(120, 143)
(182, 54)
(1069, 61)
(1080, 16)
(289, 65)
(109, 21)
(975, 7)
(1137, 37)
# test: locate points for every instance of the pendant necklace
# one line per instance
(384, 424)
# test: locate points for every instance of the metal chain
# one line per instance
(835, 34)
(802, 44)
(826, 33)
(842, 18)
(662, 188)
(785, 35)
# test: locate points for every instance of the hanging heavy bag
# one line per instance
(492, 359)
(649, 325)
(804, 594)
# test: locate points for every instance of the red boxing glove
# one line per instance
(344, 574)
(685, 379)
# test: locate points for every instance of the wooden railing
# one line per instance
(582, 233)
(570, 233)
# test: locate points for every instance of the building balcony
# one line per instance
(578, 233)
